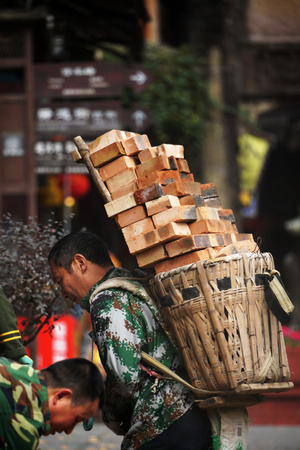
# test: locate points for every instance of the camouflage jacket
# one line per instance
(24, 412)
(124, 324)
(11, 345)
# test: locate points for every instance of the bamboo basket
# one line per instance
(229, 339)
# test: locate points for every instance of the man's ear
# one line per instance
(61, 394)
(80, 262)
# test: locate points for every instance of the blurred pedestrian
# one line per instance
(53, 400)
(11, 344)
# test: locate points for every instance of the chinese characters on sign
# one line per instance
(101, 79)
(13, 145)
(70, 101)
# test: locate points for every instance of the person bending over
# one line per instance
(53, 400)
(126, 322)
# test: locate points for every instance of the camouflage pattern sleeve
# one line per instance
(23, 406)
(11, 345)
(123, 326)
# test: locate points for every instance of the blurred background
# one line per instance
(221, 78)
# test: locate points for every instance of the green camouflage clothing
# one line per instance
(24, 411)
(123, 326)
(11, 345)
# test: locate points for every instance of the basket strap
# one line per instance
(165, 370)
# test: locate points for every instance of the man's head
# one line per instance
(75, 390)
(77, 262)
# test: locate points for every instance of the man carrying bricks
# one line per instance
(150, 411)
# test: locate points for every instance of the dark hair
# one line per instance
(78, 374)
(91, 246)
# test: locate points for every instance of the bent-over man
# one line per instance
(125, 323)
(53, 400)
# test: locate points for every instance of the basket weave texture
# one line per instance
(221, 322)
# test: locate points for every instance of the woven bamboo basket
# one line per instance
(228, 337)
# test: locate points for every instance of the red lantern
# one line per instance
(76, 185)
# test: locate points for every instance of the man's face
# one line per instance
(64, 416)
(71, 283)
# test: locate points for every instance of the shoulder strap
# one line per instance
(128, 284)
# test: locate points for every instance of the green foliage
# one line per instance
(177, 98)
(25, 275)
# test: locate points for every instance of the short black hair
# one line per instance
(88, 244)
(80, 375)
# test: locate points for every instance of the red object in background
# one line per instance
(63, 342)
(78, 185)
(283, 408)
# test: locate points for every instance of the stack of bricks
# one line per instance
(168, 220)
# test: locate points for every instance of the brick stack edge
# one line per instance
(168, 220)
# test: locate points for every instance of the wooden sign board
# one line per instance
(84, 80)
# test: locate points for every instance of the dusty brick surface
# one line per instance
(107, 154)
(177, 151)
(135, 144)
(118, 165)
(132, 215)
(182, 188)
(161, 204)
(129, 188)
(121, 179)
(146, 194)
(119, 205)
(161, 162)
(138, 228)
(148, 153)
(177, 214)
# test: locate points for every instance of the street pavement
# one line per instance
(260, 437)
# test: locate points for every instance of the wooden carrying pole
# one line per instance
(83, 156)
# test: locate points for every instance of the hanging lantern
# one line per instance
(76, 185)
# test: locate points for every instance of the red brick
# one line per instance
(192, 200)
(216, 239)
(107, 154)
(205, 212)
(136, 144)
(159, 163)
(227, 214)
(167, 233)
(132, 215)
(161, 176)
(210, 190)
(184, 260)
(244, 237)
(161, 204)
(187, 244)
(171, 150)
(127, 189)
(206, 226)
(118, 165)
(119, 205)
(143, 242)
(148, 258)
(177, 214)
(181, 188)
(213, 202)
(173, 231)
(121, 179)
(109, 138)
(138, 228)
(172, 162)
(148, 153)
(148, 193)
(186, 176)
(237, 247)
(183, 165)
